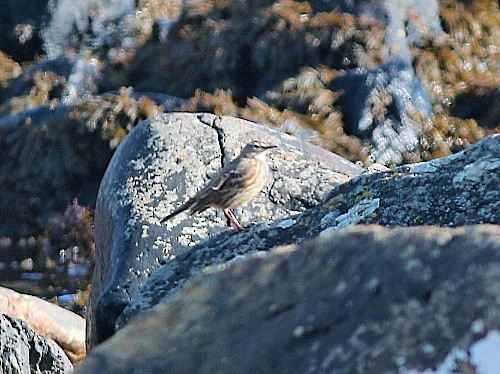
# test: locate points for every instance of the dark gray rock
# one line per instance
(48, 159)
(360, 300)
(481, 104)
(24, 351)
(74, 79)
(156, 168)
(457, 190)
(170, 103)
(34, 116)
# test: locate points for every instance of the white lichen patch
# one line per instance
(155, 141)
(329, 218)
(423, 167)
(161, 243)
(138, 198)
(449, 365)
(428, 348)
(474, 173)
(372, 284)
(483, 354)
(137, 164)
(299, 331)
(477, 327)
(363, 209)
(144, 231)
(191, 233)
(286, 223)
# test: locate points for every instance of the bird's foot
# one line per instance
(230, 215)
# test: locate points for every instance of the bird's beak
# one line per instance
(270, 146)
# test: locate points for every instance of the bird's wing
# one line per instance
(226, 179)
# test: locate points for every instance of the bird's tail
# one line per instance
(180, 209)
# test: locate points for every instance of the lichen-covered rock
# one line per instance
(364, 299)
(162, 163)
(461, 189)
(24, 351)
(453, 191)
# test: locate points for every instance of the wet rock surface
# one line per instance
(394, 89)
(160, 165)
(66, 328)
(363, 299)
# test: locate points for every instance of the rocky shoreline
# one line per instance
(386, 117)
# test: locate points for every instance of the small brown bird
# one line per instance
(235, 184)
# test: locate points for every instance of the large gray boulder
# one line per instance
(458, 190)
(359, 300)
(164, 161)
(22, 350)
(389, 284)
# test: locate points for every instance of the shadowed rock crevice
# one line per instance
(213, 123)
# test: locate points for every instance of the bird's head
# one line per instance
(255, 148)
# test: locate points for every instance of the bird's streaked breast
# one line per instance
(254, 178)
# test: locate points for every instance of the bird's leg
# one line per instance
(229, 214)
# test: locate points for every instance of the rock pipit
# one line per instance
(234, 185)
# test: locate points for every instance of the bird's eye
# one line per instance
(255, 145)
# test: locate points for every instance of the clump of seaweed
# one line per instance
(114, 116)
(72, 232)
(9, 69)
(249, 48)
(303, 100)
(467, 54)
